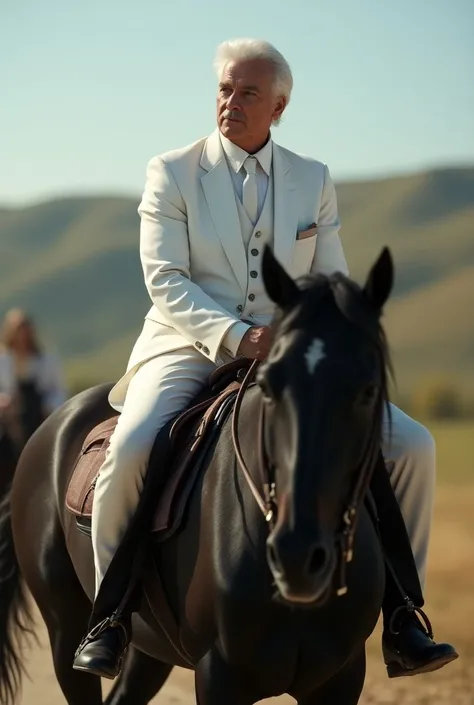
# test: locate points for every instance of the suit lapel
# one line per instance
(220, 196)
(285, 207)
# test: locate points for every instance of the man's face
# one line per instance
(246, 103)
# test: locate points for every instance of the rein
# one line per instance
(267, 502)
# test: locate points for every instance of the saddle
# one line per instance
(191, 435)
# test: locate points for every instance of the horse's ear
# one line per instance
(380, 280)
(280, 287)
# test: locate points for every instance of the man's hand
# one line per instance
(256, 343)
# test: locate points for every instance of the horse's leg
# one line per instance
(66, 623)
(344, 688)
(216, 683)
(140, 680)
(66, 626)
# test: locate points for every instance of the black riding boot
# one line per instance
(407, 644)
(101, 652)
(407, 641)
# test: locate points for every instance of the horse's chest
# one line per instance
(287, 650)
(266, 649)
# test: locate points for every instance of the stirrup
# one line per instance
(411, 608)
(115, 620)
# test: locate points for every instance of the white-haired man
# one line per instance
(207, 212)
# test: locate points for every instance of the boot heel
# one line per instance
(394, 670)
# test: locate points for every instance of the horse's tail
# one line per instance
(15, 617)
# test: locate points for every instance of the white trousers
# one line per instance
(164, 386)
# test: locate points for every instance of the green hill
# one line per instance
(74, 264)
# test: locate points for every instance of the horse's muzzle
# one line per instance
(302, 566)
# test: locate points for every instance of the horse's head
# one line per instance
(324, 386)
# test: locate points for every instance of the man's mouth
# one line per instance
(232, 116)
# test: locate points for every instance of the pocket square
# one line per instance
(309, 232)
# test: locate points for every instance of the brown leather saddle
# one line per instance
(191, 435)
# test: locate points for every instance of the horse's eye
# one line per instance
(276, 350)
(368, 395)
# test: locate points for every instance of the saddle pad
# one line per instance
(80, 491)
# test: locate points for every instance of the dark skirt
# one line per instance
(31, 408)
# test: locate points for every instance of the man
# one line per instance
(206, 214)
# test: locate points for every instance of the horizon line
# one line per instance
(118, 193)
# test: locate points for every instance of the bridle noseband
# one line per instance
(267, 501)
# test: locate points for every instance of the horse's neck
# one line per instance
(234, 492)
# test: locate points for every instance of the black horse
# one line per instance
(266, 605)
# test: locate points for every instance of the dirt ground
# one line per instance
(449, 603)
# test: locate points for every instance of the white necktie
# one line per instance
(249, 190)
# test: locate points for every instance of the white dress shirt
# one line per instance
(236, 158)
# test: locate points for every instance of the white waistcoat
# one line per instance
(254, 239)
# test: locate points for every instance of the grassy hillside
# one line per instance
(74, 264)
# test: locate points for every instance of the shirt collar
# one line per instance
(237, 156)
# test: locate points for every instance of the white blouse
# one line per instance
(44, 370)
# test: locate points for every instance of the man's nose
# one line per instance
(233, 102)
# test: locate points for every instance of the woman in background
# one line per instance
(31, 384)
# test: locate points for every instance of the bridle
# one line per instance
(267, 500)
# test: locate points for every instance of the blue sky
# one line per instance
(92, 89)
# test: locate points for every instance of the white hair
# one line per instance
(251, 49)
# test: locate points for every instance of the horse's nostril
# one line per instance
(317, 560)
(273, 557)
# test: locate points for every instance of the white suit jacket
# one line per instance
(192, 253)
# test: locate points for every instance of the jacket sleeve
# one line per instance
(329, 254)
(165, 258)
